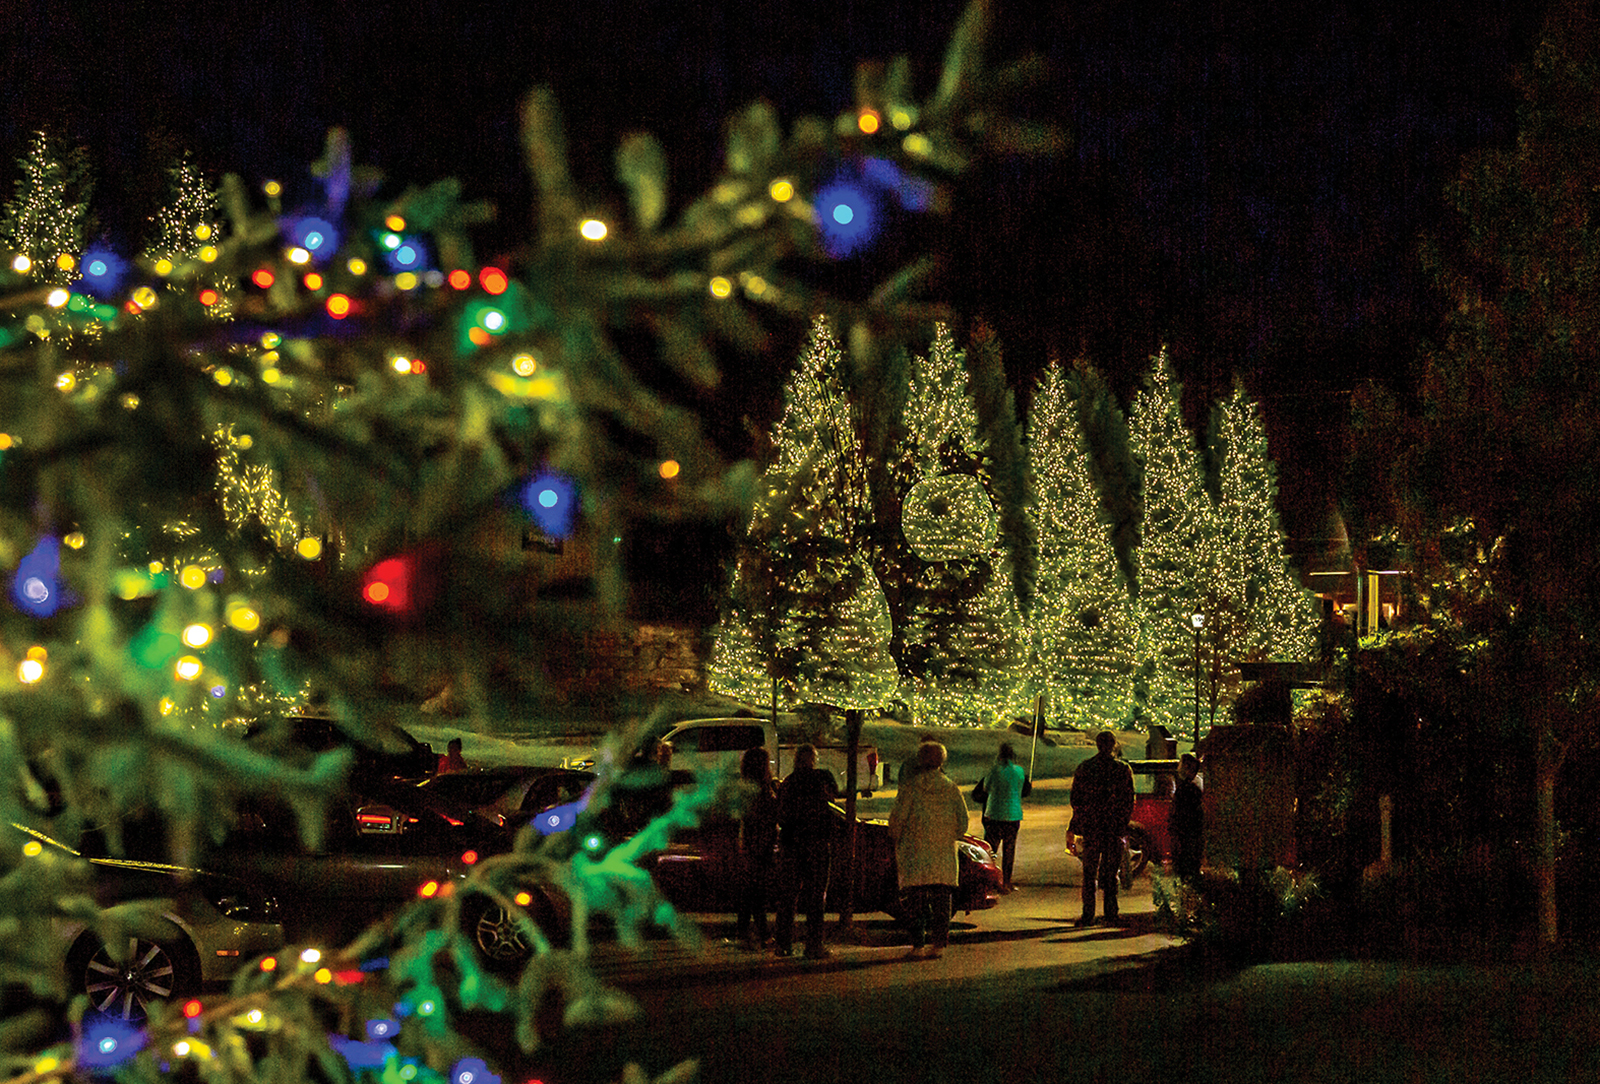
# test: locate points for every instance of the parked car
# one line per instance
(204, 927)
(393, 753)
(469, 804)
(1148, 839)
(699, 870)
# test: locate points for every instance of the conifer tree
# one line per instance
(1084, 625)
(1175, 550)
(46, 220)
(185, 229)
(1257, 610)
(809, 540)
(963, 648)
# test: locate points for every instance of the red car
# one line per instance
(1148, 839)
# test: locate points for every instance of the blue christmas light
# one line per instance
(103, 272)
(847, 217)
(107, 1042)
(36, 588)
(472, 1071)
(403, 252)
(552, 500)
(316, 235)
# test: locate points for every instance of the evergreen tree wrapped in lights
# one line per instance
(185, 229)
(1260, 608)
(426, 411)
(1175, 553)
(963, 646)
(1086, 632)
(823, 620)
(45, 221)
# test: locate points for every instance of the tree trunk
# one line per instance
(847, 905)
(1546, 763)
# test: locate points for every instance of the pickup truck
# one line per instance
(702, 744)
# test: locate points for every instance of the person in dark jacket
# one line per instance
(1186, 822)
(758, 843)
(1102, 801)
(805, 842)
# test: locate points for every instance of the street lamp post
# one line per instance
(1198, 620)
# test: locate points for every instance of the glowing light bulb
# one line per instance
(197, 635)
(312, 280)
(338, 306)
(524, 365)
(263, 277)
(298, 255)
(145, 297)
(781, 190)
(309, 547)
(270, 340)
(202, 232)
(66, 262)
(163, 267)
(193, 577)
(493, 280)
(593, 229)
(244, 619)
(395, 223)
(209, 254)
(188, 668)
(844, 214)
(357, 265)
(30, 671)
(669, 468)
(721, 286)
(21, 265)
(75, 540)
(208, 297)
(868, 121)
(57, 298)
(310, 956)
(405, 280)
(272, 188)
(459, 279)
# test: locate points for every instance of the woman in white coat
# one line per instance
(929, 817)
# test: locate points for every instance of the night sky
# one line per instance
(1247, 182)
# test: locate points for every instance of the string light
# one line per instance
(593, 229)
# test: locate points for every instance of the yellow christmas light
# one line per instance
(272, 188)
(209, 254)
(244, 618)
(406, 280)
(669, 468)
(145, 297)
(188, 668)
(75, 540)
(202, 232)
(524, 364)
(309, 547)
(57, 298)
(721, 287)
(163, 267)
(781, 190)
(593, 229)
(193, 577)
(30, 671)
(868, 121)
(298, 255)
(66, 262)
(197, 635)
(395, 223)
(66, 382)
(21, 265)
(357, 265)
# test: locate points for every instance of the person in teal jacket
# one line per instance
(1001, 793)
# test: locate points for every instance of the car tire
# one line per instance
(1140, 850)
(499, 938)
(157, 972)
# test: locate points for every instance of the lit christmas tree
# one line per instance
(43, 225)
(428, 412)
(1260, 610)
(1085, 628)
(963, 646)
(821, 621)
(1175, 552)
(185, 231)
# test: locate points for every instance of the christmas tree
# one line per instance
(1176, 546)
(1084, 624)
(44, 225)
(184, 230)
(1256, 609)
(822, 620)
(963, 647)
(415, 413)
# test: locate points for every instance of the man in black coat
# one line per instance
(1102, 802)
(805, 843)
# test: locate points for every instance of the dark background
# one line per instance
(1247, 182)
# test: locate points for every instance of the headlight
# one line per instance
(974, 851)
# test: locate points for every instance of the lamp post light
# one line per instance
(1198, 620)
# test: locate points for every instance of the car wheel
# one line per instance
(155, 972)
(1137, 855)
(501, 939)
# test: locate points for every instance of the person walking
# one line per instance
(1000, 793)
(758, 842)
(929, 816)
(1187, 820)
(1102, 801)
(805, 841)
